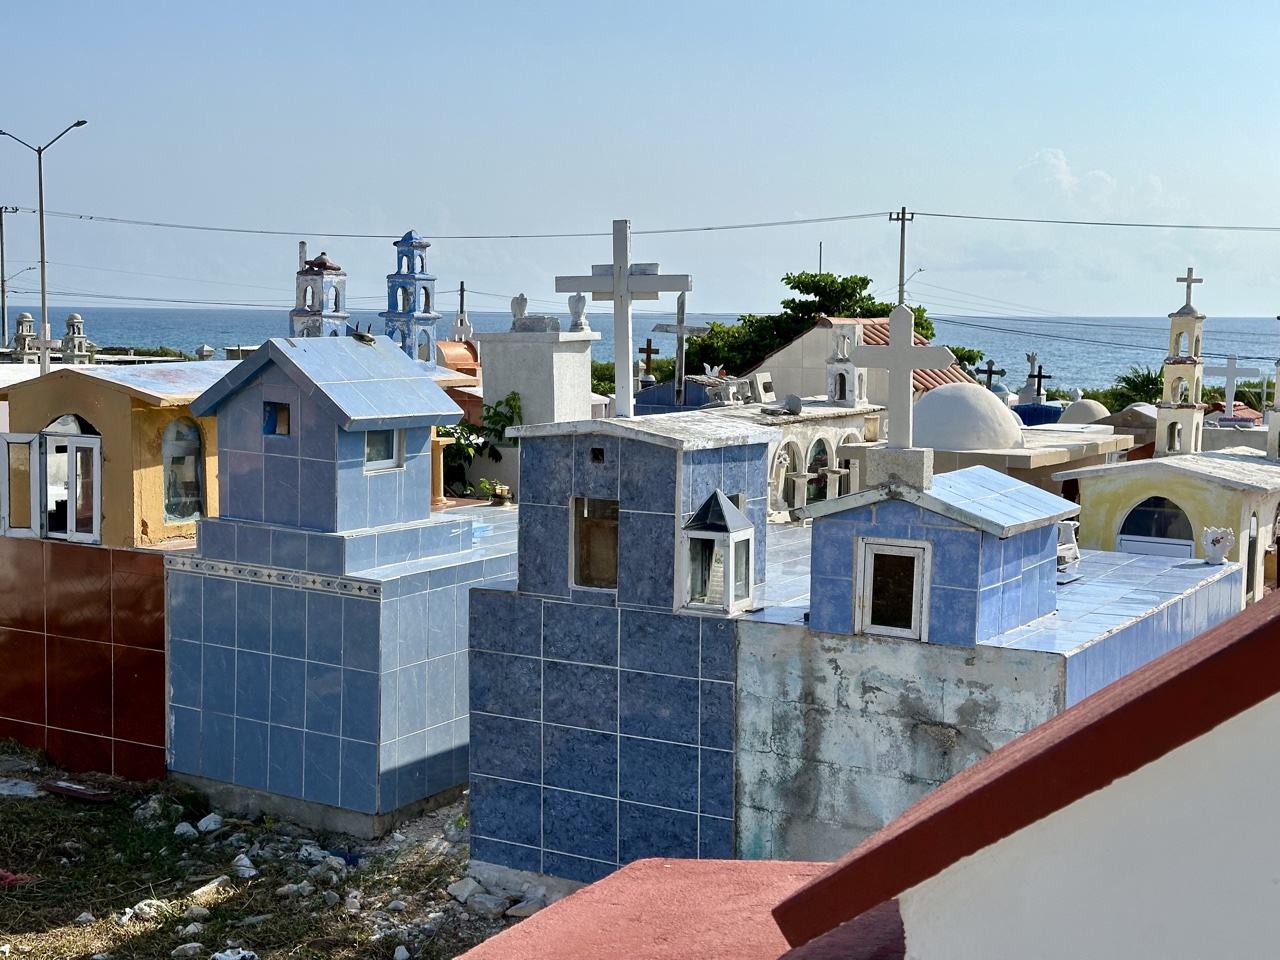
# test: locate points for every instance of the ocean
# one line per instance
(1074, 351)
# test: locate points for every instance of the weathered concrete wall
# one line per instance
(838, 735)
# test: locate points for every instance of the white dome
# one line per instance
(1084, 411)
(964, 416)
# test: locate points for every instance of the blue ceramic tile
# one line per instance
(360, 709)
(831, 605)
(664, 774)
(647, 477)
(504, 622)
(184, 673)
(321, 768)
(413, 627)
(506, 685)
(575, 868)
(253, 616)
(440, 690)
(353, 497)
(544, 550)
(253, 685)
(832, 549)
(659, 642)
(324, 554)
(280, 490)
(461, 685)
(441, 629)
(507, 748)
(715, 785)
(581, 634)
(253, 544)
(411, 694)
(595, 467)
(358, 784)
(251, 754)
(989, 609)
(217, 541)
(717, 715)
(323, 698)
(546, 470)
(389, 705)
(288, 692)
(658, 706)
(219, 611)
(284, 772)
(650, 832)
(506, 810)
(462, 618)
(715, 839)
(184, 740)
(580, 824)
(646, 560)
(217, 747)
(1011, 557)
(185, 596)
(897, 511)
(572, 759)
(361, 622)
(289, 549)
(384, 498)
(439, 753)
(218, 680)
(573, 694)
(324, 627)
(398, 546)
(242, 485)
(507, 854)
(288, 622)
(411, 769)
(719, 648)
(1010, 604)
(956, 558)
(953, 616)
(317, 434)
(703, 475)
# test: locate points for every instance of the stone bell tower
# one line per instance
(1180, 414)
(411, 295)
(320, 306)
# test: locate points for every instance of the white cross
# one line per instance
(901, 358)
(1231, 372)
(623, 281)
(1189, 279)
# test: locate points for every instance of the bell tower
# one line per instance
(1180, 414)
(411, 295)
(320, 306)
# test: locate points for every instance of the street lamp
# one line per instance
(45, 333)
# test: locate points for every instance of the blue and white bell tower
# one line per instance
(411, 294)
(320, 306)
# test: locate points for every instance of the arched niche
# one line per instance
(182, 458)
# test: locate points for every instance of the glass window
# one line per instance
(275, 419)
(893, 579)
(181, 454)
(741, 570)
(706, 571)
(596, 538)
(893, 588)
(381, 449)
(20, 486)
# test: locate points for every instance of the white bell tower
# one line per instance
(1180, 413)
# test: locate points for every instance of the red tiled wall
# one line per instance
(82, 668)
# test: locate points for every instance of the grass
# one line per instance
(97, 858)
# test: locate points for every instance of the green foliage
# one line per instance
(470, 440)
(601, 378)
(145, 352)
(742, 346)
(968, 357)
(1139, 385)
(497, 418)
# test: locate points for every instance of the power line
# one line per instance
(1248, 228)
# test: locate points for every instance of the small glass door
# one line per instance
(19, 485)
(72, 483)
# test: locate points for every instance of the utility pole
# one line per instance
(4, 286)
(819, 256)
(904, 218)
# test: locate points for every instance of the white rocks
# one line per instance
(10, 787)
(210, 823)
(487, 905)
(84, 919)
(527, 908)
(188, 950)
(101, 956)
(398, 837)
(151, 810)
(254, 921)
(211, 887)
(185, 830)
(464, 889)
(191, 930)
(235, 953)
(396, 906)
(149, 909)
(402, 953)
(196, 912)
(244, 867)
(303, 889)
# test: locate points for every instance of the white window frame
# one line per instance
(74, 442)
(732, 543)
(31, 441)
(922, 551)
(397, 453)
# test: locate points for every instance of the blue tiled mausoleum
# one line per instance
(602, 689)
(317, 638)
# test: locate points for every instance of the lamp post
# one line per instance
(45, 332)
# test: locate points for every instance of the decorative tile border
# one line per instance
(346, 586)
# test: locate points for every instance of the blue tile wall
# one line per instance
(648, 477)
(544, 550)
(605, 734)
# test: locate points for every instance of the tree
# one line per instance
(742, 346)
(1139, 385)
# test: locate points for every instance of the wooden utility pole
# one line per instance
(904, 218)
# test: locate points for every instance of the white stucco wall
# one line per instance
(1178, 860)
(550, 371)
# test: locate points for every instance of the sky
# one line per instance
(481, 118)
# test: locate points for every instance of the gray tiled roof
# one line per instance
(691, 430)
(363, 386)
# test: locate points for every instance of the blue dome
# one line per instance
(413, 239)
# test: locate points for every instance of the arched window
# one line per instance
(1251, 562)
(406, 300)
(182, 457)
(1181, 346)
(422, 263)
(426, 300)
(309, 297)
(70, 423)
(841, 387)
(72, 473)
(1173, 438)
(1157, 517)
(819, 458)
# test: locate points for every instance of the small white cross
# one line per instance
(901, 358)
(1189, 279)
(1231, 372)
(623, 281)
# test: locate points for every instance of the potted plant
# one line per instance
(499, 494)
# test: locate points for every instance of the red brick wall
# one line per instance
(82, 657)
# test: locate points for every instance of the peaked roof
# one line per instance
(718, 514)
(1238, 468)
(976, 496)
(160, 384)
(1116, 731)
(688, 430)
(363, 386)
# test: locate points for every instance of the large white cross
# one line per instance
(1189, 279)
(623, 281)
(1231, 372)
(901, 358)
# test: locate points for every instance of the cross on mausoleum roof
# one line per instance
(623, 281)
(1189, 279)
(990, 372)
(1039, 377)
(1232, 373)
(649, 351)
(900, 357)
